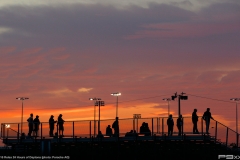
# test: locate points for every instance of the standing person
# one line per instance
(30, 125)
(60, 124)
(180, 124)
(207, 116)
(36, 122)
(170, 124)
(115, 126)
(51, 125)
(195, 120)
(109, 131)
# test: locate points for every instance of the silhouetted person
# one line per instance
(115, 126)
(144, 129)
(180, 124)
(195, 121)
(51, 125)
(36, 122)
(30, 124)
(56, 135)
(132, 133)
(23, 136)
(109, 131)
(207, 116)
(100, 135)
(170, 124)
(60, 124)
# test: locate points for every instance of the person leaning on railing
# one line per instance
(60, 125)
(207, 116)
(51, 125)
(30, 125)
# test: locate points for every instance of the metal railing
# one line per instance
(157, 125)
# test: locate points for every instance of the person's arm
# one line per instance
(203, 117)
(211, 116)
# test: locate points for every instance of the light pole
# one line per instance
(167, 99)
(180, 97)
(236, 100)
(94, 114)
(22, 98)
(116, 94)
(98, 103)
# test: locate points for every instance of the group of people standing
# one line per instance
(33, 125)
(115, 127)
(206, 116)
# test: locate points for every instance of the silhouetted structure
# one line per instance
(131, 133)
(170, 124)
(60, 125)
(30, 124)
(23, 136)
(115, 126)
(51, 125)
(36, 122)
(100, 135)
(56, 135)
(195, 121)
(144, 129)
(109, 131)
(180, 124)
(207, 116)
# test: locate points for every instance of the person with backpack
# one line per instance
(36, 122)
(180, 124)
(115, 126)
(170, 124)
(207, 116)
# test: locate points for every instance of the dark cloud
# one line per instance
(82, 24)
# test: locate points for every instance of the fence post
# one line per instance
(152, 127)
(137, 125)
(1, 131)
(134, 124)
(216, 131)
(18, 133)
(73, 130)
(162, 126)
(41, 131)
(237, 139)
(227, 137)
(182, 125)
(90, 128)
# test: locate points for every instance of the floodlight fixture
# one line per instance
(236, 100)
(22, 99)
(116, 94)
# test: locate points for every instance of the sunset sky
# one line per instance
(61, 53)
